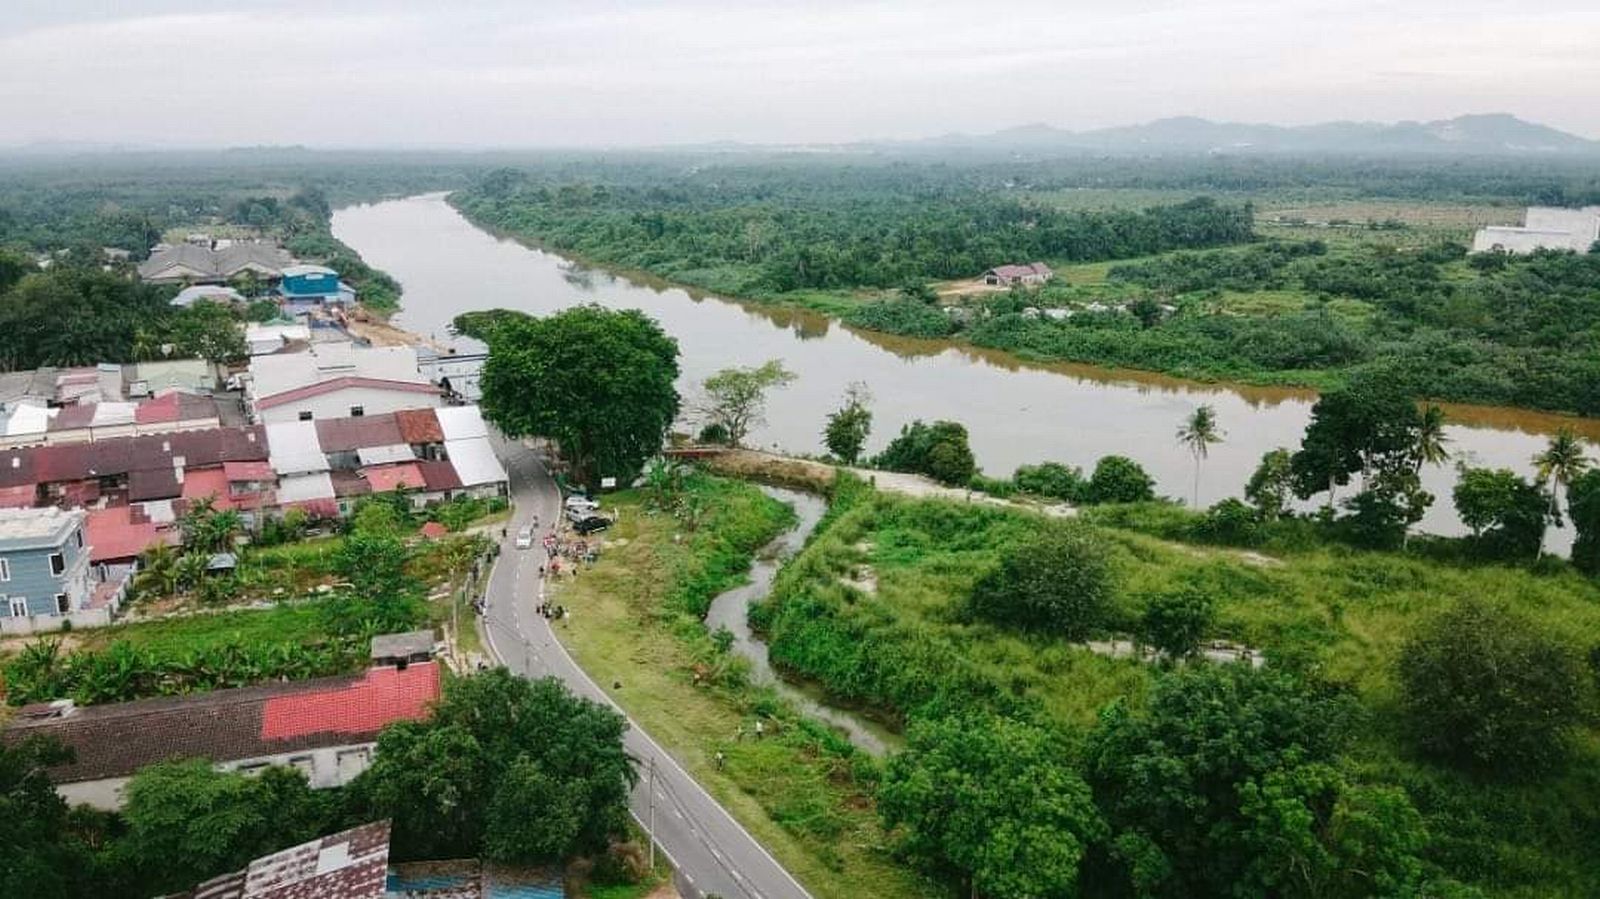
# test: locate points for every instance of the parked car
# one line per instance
(525, 538)
(580, 503)
(591, 524)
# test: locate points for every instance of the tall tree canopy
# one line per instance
(513, 770)
(993, 802)
(42, 856)
(600, 383)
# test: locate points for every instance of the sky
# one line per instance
(444, 73)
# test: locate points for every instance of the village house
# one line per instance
(326, 727)
(195, 263)
(336, 380)
(209, 293)
(457, 374)
(46, 578)
(1009, 275)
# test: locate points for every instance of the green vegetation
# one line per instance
(1311, 777)
(638, 621)
(507, 769)
(736, 398)
(599, 383)
(939, 451)
(1057, 581)
(848, 427)
(1197, 298)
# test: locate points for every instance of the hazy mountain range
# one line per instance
(1496, 134)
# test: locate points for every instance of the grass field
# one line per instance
(1340, 613)
(802, 791)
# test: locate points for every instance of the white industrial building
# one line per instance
(337, 380)
(1543, 228)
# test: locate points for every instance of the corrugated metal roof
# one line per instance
(461, 422)
(295, 448)
(419, 426)
(304, 487)
(385, 455)
(343, 435)
(475, 462)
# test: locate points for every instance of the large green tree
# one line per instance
(993, 803)
(1583, 507)
(938, 450)
(513, 770)
(1362, 428)
(1172, 777)
(600, 383)
(187, 821)
(42, 857)
(1486, 689)
(1507, 514)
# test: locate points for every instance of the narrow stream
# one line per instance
(731, 610)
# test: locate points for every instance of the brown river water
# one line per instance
(1016, 412)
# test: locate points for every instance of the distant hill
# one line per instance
(1496, 134)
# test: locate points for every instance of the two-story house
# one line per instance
(44, 562)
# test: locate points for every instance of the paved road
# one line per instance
(712, 853)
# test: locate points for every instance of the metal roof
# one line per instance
(295, 448)
(475, 461)
(36, 528)
(461, 422)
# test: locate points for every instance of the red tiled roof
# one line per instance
(385, 478)
(344, 435)
(22, 496)
(382, 696)
(121, 532)
(433, 530)
(122, 455)
(337, 384)
(248, 471)
(418, 426)
(212, 482)
(349, 483)
(229, 725)
(71, 418)
(154, 483)
(438, 475)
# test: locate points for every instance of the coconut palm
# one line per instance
(1562, 460)
(1431, 439)
(1198, 432)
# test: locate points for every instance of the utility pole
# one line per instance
(652, 835)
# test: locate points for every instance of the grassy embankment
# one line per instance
(636, 618)
(1339, 613)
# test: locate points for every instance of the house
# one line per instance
(276, 337)
(1544, 228)
(351, 864)
(308, 286)
(326, 727)
(44, 566)
(1008, 275)
(200, 263)
(337, 380)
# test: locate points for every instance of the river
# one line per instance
(1016, 412)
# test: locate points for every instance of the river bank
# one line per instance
(1017, 412)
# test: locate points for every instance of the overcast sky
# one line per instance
(535, 73)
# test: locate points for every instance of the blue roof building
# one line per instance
(305, 286)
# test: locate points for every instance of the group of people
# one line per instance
(552, 612)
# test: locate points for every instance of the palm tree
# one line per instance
(1562, 460)
(1198, 432)
(1431, 439)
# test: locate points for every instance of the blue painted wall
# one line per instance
(310, 285)
(32, 579)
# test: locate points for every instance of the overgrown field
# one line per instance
(636, 619)
(910, 645)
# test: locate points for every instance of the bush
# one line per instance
(1059, 581)
(907, 317)
(1051, 479)
(1118, 479)
(938, 450)
(1229, 522)
(1175, 622)
(1484, 688)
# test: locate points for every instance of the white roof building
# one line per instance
(337, 380)
(293, 448)
(1543, 228)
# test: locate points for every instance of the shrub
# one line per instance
(1175, 622)
(1118, 479)
(1050, 479)
(1060, 581)
(908, 317)
(1485, 688)
(938, 450)
(1230, 522)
